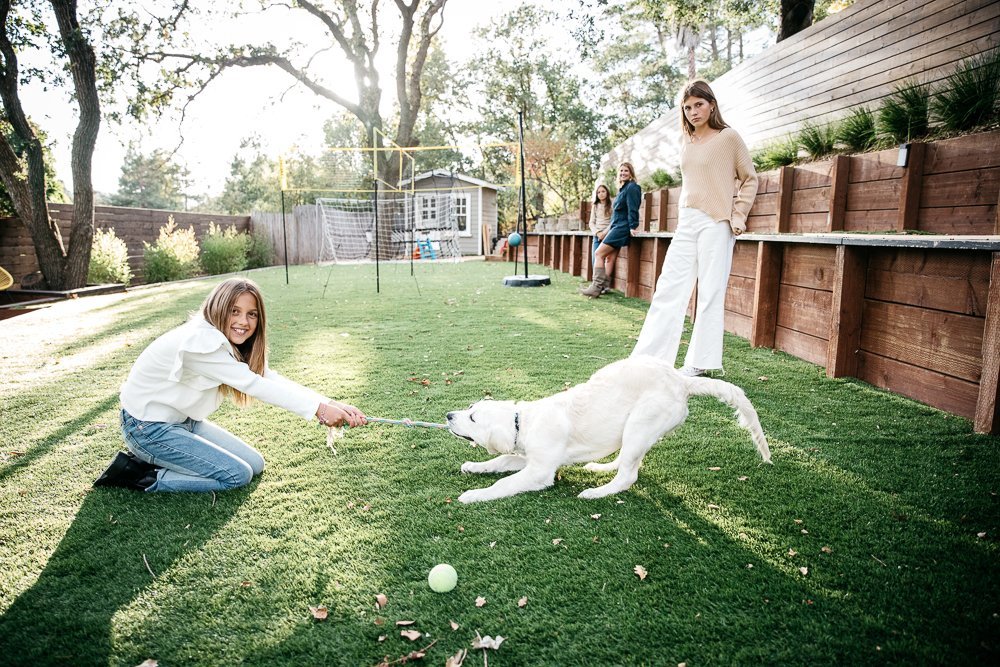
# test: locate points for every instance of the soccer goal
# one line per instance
(420, 225)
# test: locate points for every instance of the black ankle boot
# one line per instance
(128, 472)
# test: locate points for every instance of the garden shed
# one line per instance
(474, 202)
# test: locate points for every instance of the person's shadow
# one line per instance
(116, 544)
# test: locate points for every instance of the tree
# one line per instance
(22, 161)
(356, 31)
(564, 138)
(54, 189)
(152, 181)
(796, 16)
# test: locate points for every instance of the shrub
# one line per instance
(857, 132)
(904, 115)
(971, 96)
(223, 250)
(108, 259)
(174, 256)
(818, 141)
(778, 154)
(260, 251)
(662, 178)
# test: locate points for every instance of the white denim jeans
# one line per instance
(701, 249)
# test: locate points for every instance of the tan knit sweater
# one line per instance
(718, 177)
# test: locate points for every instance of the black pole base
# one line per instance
(532, 280)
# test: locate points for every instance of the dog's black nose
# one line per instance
(449, 415)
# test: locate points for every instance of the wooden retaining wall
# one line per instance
(826, 273)
(133, 225)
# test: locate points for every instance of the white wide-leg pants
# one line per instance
(702, 250)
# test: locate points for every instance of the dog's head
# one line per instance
(489, 424)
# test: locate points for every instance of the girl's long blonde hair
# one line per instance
(253, 351)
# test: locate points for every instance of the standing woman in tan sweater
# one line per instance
(719, 186)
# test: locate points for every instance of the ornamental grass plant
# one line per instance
(871, 540)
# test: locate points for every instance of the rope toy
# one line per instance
(337, 432)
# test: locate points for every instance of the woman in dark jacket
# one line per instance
(624, 218)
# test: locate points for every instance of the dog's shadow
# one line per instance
(116, 545)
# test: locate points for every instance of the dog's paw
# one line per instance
(596, 492)
(471, 466)
(593, 466)
(473, 496)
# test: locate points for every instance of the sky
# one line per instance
(240, 104)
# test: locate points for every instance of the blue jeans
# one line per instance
(194, 455)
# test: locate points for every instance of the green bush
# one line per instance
(857, 132)
(108, 259)
(778, 154)
(904, 114)
(818, 141)
(260, 251)
(223, 250)
(662, 178)
(174, 256)
(971, 96)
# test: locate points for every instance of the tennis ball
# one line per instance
(514, 240)
(442, 578)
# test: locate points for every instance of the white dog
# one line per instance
(627, 406)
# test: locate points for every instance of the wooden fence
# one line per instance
(300, 230)
(914, 309)
(132, 225)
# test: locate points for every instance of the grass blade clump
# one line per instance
(778, 154)
(858, 132)
(904, 115)
(971, 96)
(818, 141)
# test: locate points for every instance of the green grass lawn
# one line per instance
(872, 538)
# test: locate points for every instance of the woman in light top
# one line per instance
(719, 186)
(624, 220)
(600, 217)
(182, 378)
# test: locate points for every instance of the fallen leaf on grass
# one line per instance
(381, 600)
(480, 601)
(742, 478)
(714, 468)
(457, 659)
(492, 544)
(379, 620)
(454, 625)
(826, 550)
(713, 506)
(595, 517)
(804, 571)
(557, 540)
(793, 552)
(412, 635)
(640, 572)
(523, 602)
(404, 622)
(487, 642)
(319, 613)
(148, 662)
(798, 521)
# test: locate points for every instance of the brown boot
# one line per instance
(596, 287)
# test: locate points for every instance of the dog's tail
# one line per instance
(734, 397)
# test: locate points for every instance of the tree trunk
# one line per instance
(83, 65)
(27, 191)
(796, 15)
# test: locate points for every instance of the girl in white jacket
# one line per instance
(183, 376)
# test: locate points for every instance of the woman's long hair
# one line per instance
(253, 351)
(607, 200)
(701, 89)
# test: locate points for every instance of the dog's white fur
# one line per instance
(628, 406)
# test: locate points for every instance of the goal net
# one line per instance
(419, 225)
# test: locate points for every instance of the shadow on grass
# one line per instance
(73, 426)
(67, 616)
